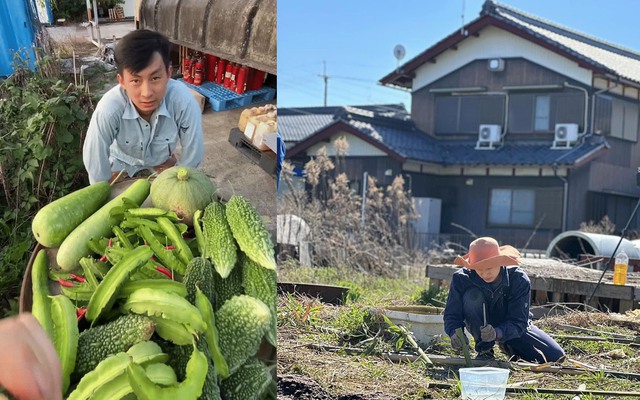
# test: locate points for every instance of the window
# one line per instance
(465, 114)
(512, 207)
(540, 112)
(543, 108)
(624, 120)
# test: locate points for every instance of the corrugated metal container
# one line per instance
(16, 34)
(573, 244)
(243, 32)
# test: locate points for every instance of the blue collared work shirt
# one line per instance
(119, 138)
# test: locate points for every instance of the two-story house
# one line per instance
(517, 125)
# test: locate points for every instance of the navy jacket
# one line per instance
(507, 304)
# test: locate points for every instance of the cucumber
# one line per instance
(100, 224)
(55, 221)
(41, 306)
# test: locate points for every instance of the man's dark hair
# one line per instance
(135, 50)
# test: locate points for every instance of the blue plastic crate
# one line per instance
(222, 99)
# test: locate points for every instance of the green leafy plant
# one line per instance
(42, 132)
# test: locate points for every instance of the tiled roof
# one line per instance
(619, 60)
(588, 51)
(517, 153)
(402, 137)
(296, 124)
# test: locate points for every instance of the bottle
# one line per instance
(620, 268)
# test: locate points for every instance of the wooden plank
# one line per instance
(582, 288)
(626, 305)
(540, 297)
(551, 284)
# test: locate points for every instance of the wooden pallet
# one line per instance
(222, 99)
(116, 13)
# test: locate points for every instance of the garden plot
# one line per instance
(340, 352)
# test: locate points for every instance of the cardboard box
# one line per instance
(271, 141)
(199, 98)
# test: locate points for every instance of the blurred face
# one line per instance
(489, 274)
(146, 88)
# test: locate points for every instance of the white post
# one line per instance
(364, 197)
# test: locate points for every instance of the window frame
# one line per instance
(529, 116)
(510, 224)
(483, 111)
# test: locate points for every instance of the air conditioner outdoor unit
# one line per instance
(565, 135)
(488, 135)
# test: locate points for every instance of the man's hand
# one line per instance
(167, 164)
(488, 333)
(456, 344)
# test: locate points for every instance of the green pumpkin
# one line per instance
(183, 190)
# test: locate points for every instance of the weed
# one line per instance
(370, 235)
(296, 312)
(434, 296)
(43, 125)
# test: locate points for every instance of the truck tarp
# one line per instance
(239, 31)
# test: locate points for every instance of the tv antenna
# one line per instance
(463, 31)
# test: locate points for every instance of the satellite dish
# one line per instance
(399, 52)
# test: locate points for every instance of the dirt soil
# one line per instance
(308, 370)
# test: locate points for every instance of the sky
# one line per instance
(356, 38)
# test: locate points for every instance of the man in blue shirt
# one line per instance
(137, 124)
(491, 295)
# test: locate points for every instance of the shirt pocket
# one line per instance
(164, 143)
(128, 141)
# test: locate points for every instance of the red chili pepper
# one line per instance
(103, 258)
(110, 242)
(169, 247)
(80, 312)
(65, 283)
(165, 271)
(77, 277)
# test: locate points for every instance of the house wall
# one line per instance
(357, 147)
(465, 203)
(517, 71)
(496, 43)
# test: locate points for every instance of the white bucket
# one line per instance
(486, 383)
(424, 326)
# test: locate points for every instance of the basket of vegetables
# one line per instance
(174, 298)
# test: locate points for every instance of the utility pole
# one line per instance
(326, 82)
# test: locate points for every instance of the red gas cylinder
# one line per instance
(220, 71)
(211, 67)
(227, 75)
(257, 81)
(234, 74)
(186, 69)
(241, 80)
(198, 75)
(193, 67)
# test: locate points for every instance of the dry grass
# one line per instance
(376, 241)
(308, 329)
